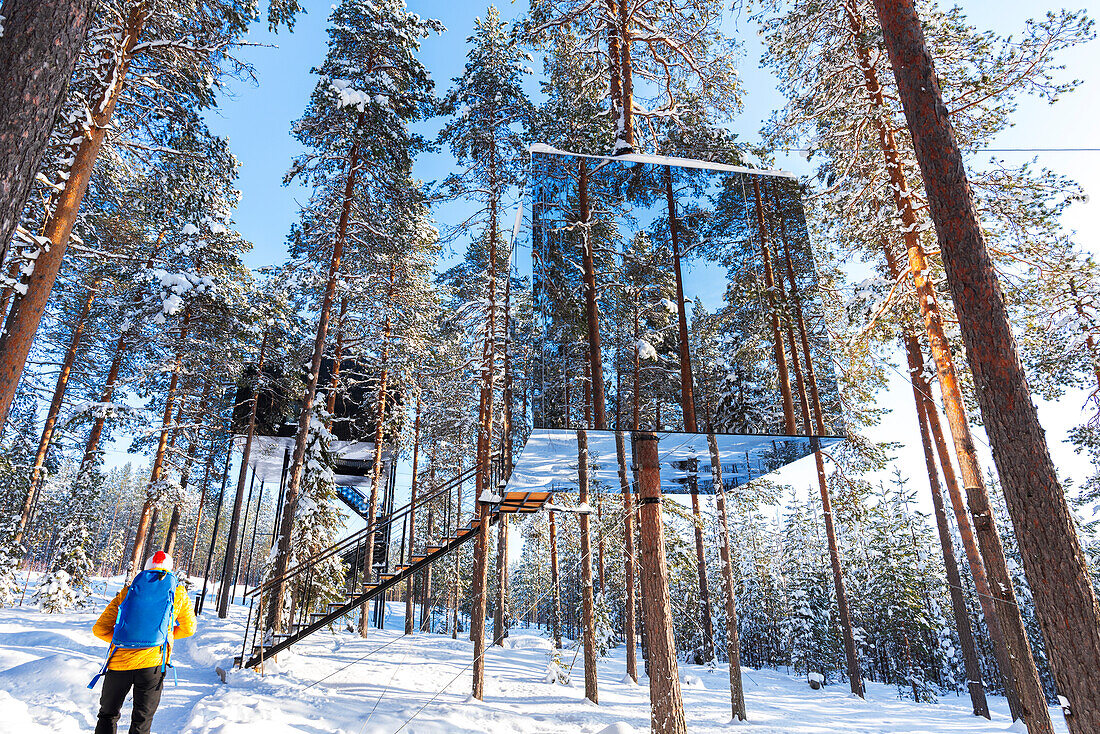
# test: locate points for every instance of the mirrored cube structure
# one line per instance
(677, 297)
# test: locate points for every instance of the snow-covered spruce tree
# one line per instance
(359, 150)
(67, 584)
(11, 556)
(318, 523)
(810, 635)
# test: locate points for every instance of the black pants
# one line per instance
(148, 684)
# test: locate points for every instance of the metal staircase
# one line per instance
(361, 588)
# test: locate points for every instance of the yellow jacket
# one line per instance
(145, 657)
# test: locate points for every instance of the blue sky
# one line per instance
(257, 120)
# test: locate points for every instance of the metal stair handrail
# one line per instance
(353, 539)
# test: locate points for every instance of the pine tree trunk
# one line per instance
(246, 454)
(777, 339)
(855, 678)
(1065, 599)
(479, 584)
(591, 308)
(555, 583)
(588, 601)
(39, 49)
(629, 631)
(665, 699)
(1010, 641)
(202, 506)
(412, 518)
(733, 635)
(23, 320)
(337, 358)
(155, 476)
(54, 411)
(290, 504)
(954, 581)
(366, 573)
(626, 71)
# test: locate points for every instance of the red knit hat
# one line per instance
(159, 561)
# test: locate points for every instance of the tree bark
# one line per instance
(479, 585)
(1010, 643)
(54, 411)
(246, 453)
(38, 53)
(665, 699)
(588, 601)
(954, 580)
(733, 635)
(367, 571)
(555, 583)
(155, 476)
(777, 338)
(626, 72)
(591, 308)
(286, 524)
(629, 631)
(412, 519)
(26, 314)
(1065, 600)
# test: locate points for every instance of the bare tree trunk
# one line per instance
(202, 506)
(665, 699)
(367, 571)
(54, 411)
(155, 476)
(337, 358)
(286, 524)
(733, 636)
(588, 601)
(479, 584)
(412, 519)
(38, 53)
(626, 71)
(777, 338)
(246, 453)
(1010, 641)
(22, 322)
(628, 559)
(1065, 599)
(555, 583)
(954, 581)
(855, 678)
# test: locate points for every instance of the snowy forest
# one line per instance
(146, 371)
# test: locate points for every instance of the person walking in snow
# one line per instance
(141, 623)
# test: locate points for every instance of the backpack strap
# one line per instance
(103, 670)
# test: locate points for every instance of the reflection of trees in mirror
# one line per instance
(699, 286)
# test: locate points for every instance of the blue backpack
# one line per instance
(146, 616)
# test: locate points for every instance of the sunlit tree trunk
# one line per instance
(26, 313)
(290, 503)
(238, 498)
(1065, 599)
(155, 476)
(665, 699)
(951, 567)
(55, 410)
(588, 602)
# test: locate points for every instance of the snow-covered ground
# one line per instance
(389, 683)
